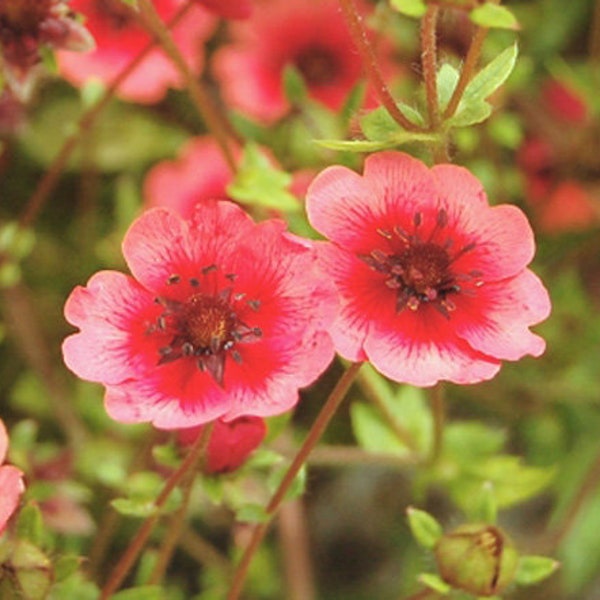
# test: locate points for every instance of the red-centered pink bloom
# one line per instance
(230, 443)
(27, 27)
(11, 482)
(433, 281)
(229, 9)
(312, 36)
(199, 173)
(120, 38)
(222, 318)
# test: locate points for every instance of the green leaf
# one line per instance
(425, 529)
(533, 569)
(473, 107)
(410, 8)
(435, 583)
(294, 86)
(252, 513)
(145, 592)
(298, 485)
(354, 145)
(134, 507)
(446, 78)
(30, 525)
(66, 566)
(378, 125)
(259, 183)
(494, 16)
(487, 509)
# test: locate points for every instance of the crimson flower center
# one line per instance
(205, 327)
(23, 16)
(422, 268)
(317, 65)
(207, 322)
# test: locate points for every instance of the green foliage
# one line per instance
(494, 15)
(534, 569)
(142, 489)
(425, 529)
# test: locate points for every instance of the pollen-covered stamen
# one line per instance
(205, 327)
(421, 272)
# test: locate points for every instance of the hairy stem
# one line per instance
(467, 71)
(202, 100)
(189, 465)
(429, 64)
(314, 435)
(369, 61)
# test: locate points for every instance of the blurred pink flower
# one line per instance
(229, 9)
(223, 318)
(120, 38)
(11, 482)
(199, 173)
(230, 442)
(312, 36)
(433, 281)
(29, 26)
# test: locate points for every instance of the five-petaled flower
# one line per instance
(11, 482)
(120, 38)
(230, 443)
(223, 318)
(433, 281)
(29, 26)
(308, 35)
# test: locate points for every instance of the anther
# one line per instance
(208, 269)
(254, 304)
(442, 218)
(384, 233)
(173, 279)
(194, 282)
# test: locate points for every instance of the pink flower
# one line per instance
(312, 36)
(120, 38)
(223, 318)
(229, 9)
(29, 26)
(433, 281)
(11, 482)
(230, 443)
(180, 184)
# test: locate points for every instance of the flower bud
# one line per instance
(476, 558)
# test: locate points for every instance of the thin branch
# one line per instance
(429, 64)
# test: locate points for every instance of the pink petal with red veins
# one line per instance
(496, 321)
(113, 312)
(422, 349)
(11, 484)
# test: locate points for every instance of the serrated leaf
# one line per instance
(425, 529)
(533, 569)
(494, 16)
(410, 8)
(473, 107)
(446, 79)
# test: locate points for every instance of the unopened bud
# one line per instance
(479, 559)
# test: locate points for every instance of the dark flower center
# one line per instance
(205, 326)
(318, 65)
(421, 271)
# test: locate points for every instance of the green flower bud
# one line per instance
(476, 558)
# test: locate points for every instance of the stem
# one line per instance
(47, 184)
(369, 61)
(429, 64)
(329, 409)
(594, 35)
(438, 410)
(177, 520)
(468, 70)
(202, 100)
(189, 465)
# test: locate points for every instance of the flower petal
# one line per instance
(12, 486)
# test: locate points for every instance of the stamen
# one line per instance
(173, 279)
(208, 269)
(417, 219)
(384, 233)
(194, 282)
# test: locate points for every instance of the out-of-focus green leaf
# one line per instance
(410, 8)
(259, 183)
(425, 528)
(294, 86)
(533, 569)
(435, 582)
(494, 16)
(251, 513)
(30, 525)
(144, 592)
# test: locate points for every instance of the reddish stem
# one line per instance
(314, 435)
(429, 64)
(369, 61)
